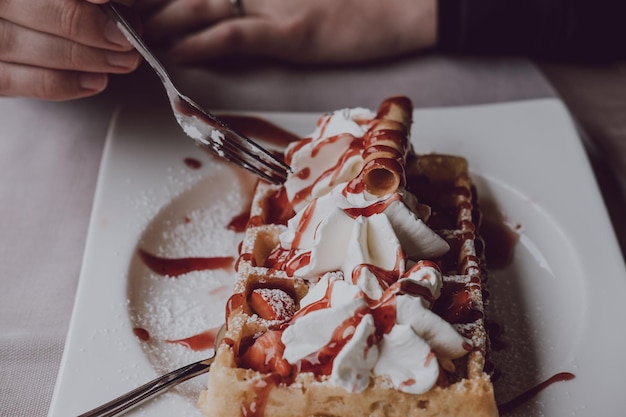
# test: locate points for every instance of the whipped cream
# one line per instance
(406, 354)
(338, 234)
(328, 156)
(368, 307)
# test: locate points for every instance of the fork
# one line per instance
(206, 129)
(149, 390)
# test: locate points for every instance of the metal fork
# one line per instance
(149, 390)
(207, 130)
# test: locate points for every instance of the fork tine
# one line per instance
(249, 146)
(234, 157)
(255, 155)
(241, 149)
(235, 153)
(271, 171)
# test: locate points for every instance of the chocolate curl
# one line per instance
(386, 146)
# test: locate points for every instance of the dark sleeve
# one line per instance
(563, 29)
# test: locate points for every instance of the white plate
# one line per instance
(560, 301)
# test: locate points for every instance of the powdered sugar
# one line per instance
(166, 309)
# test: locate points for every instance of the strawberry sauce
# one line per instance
(174, 267)
(198, 342)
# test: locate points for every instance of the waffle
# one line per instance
(268, 296)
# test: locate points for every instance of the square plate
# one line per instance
(558, 301)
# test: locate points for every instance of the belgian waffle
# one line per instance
(239, 386)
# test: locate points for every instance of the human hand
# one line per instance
(59, 49)
(305, 31)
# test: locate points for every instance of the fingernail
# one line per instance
(114, 35)
(126, 60)
(92, 81)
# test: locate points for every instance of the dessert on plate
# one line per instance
(360, 283)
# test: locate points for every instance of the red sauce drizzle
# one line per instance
(174, 267)
(245, 257)
(287, 260)
(323, 122)
(323, 302)
(374, 149)
(278, 258)
(201, 341)
(376, 208)
(303, 194)
(141, 333)
(455, 306)
(307, 215)
(304, 173)
(295, 148)
(384, 314)
(354, 148)
(408, 383)
(193, 163)
(278, 208)
(327, 141)
(356, 185)
(239, 222)
(298, 262)
(321, 362)
(234, 302)
(413, 289)
(385, 278)
(401, 101)
(526, 396)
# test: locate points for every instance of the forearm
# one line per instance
(563, 29)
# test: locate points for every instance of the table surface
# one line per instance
(50, 154)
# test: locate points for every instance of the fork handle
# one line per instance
(125, 27)
(143, 393)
